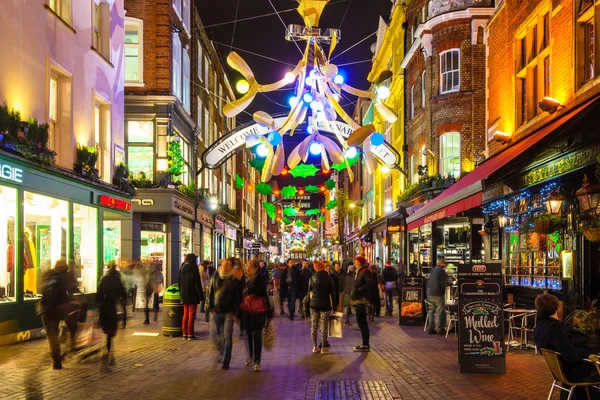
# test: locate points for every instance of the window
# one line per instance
(546, 76)
(102, 138)
(200, 60)
(185, 18)
(206, 73)
(412, 102)
(46, 231)
(522, 97)
(534, 91)
(545, 42)
(450, 71)
(215, 92)
(101, 28)
(8, 242)
(85, 234)
(199, 111)
(585, 42)
(53, 111)
(186, 82)
(134, 54)
(450, 154)
(62, 8)
(140, 148)
(523, 52)
(220, 98)
(185, 153)
(589, 53)
(177, 66)
(207, 137)
(423, 90)
(414, 177)
(59, 114)
(178, 6)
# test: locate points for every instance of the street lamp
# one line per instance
(502, 220)
(588, 196)
(554, 203)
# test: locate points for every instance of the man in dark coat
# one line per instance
(389, 277)
(190, 288)
(361, 298)
(110, 293)
(289, 286)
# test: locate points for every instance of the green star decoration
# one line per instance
(264, 188)
(312, 188)
(257, 163)
(289, 191)
(330, 184)
(331, 205)
(290, 211)
(239, 182)
(350, 162)
(313, 224)
(299, 223)
(322, 218)
(304, 171)
(269, 208)
(314, 211)
(286, 221)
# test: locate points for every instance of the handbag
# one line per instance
(269, 336)
(335, 325)
(254, 304)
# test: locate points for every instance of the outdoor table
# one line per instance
(524, 314)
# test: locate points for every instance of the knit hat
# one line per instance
(361, 259)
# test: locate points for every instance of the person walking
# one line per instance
(350, 276)
(375, 292)
(282, 286)
(305, 275)
(254, 312)
(361, 299)
(341, 278)
(111, 292)
(390, 282)
(55, 306)
(190, 288)
(323, 298)
(436, 291)
(223, 302)
(289, 286)
(204, 280)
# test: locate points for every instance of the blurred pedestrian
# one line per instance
(111, 293)
(254, 312)
(390, 283)
(350, 276)
(323, 299)
(190, 288)
(204, 280)
(263, 272)
(341, 279)
(55, 306)
(158, 286)
(305, 275)
(376, 292)
(289, 287)
(361, 299)
(223, 303)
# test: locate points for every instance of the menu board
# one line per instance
(480, 318)
(411, 301)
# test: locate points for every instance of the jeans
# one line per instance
(291, 298)
(255, 344)
(363, 324)
(221, 330)
(389, 301)
(438, 307)
(189, 313)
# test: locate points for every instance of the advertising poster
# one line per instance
(411, 301)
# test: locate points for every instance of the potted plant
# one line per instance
(122, 180)
(546, 223)
(85, 162)
(591, 229)
(586, 318)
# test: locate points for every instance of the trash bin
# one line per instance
(172, 312)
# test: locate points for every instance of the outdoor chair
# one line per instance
(452, 321)
(553, 359)
(428, 306)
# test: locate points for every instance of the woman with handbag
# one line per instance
(323, 298)
(255, 312)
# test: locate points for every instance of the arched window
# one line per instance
(450, 154)
(450, 71)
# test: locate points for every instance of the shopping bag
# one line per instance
(269, 336)
(335, 324)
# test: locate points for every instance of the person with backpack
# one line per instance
(55, 306)
(110, 293)
(323, 299)
(190, 288)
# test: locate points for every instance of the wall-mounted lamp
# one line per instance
(550, 105)
(554, 203)
(502, 221)
(501, 137)
(162, 164)
(425, 150)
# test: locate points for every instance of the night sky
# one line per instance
(266, 36)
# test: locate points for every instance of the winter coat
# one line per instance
(110, 292)
(224, 294)
(263, 274)
(362, 287)
(342, 278)
(336, 282)
(305, 275)
(285, 287)
(323, 297)
(190, 286)
(389, 275)
(254, 321)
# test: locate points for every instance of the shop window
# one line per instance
(206, 245)
(111, 231)
(85, 242)
(186, 241)
(101, 28)
(8, 234)
(450, 71)
(450, 154)
(46, 232)
(62, 8)
(134, 51)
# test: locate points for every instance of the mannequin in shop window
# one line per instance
(30, 264)
(10, 259)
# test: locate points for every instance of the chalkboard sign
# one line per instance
(411, 301)
(481, 318)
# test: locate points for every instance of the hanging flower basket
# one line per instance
(543, 226)
(592, 234)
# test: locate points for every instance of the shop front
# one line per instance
(206, 231)
(50, 216)
(395, 240)
(161, 230)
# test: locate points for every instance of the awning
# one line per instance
(466, 193)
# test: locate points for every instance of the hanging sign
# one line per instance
(111, 202)
(411, 301)
(481, 318)
(235, 140)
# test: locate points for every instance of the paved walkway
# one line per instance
(404, 363)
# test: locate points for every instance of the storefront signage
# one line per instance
(10, 173)
(183, 207)
(394, 225)
(481, 318)
(152, 227)
(230, 233)
(567, 259)
(219, 226)
(411, 301)
(495, 191)
(233, 141)
(143, 202)
(561, 166)
(111, 202)
(435, 216)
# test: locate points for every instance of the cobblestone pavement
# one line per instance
(404, 363)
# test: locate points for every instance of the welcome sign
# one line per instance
(233, 141)
(480, 318)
